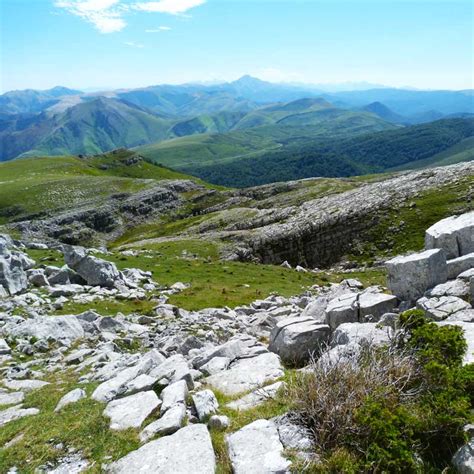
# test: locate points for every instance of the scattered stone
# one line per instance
(173, 394)
(25, 385)
(168, 424)
(206, 404)
(463, 459)
(256, 398)
(58, 328)
(71, 397)
(11, 398)
(458, 288)
(4, 347)
(189, 449)
(131, 411)
(257, 449)
(456, 266)
(218, 422)
(15, 413)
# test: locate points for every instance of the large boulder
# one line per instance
(357, 307)
(256, 448)
(410, 276)
(295, 340)
(188, 450)
(454, 234)
(95, 271)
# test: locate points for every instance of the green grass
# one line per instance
(80, 425)
(214, 283)
(41, 185)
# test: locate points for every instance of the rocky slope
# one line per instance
(313, 223)
(177, 379)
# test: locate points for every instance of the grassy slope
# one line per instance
(34, 185)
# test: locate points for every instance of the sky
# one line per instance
(109, 44)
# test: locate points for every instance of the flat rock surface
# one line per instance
(257, 449)
(132, 411)
(247, 374)
(187, 451)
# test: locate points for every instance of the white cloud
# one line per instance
(173, 7)
(133, 44)
(159, 29)
(105, 15)
(108, 15)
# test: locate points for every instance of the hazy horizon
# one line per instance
(123, 44)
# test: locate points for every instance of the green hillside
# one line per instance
(368, 153)
(462, 151)
(37, 185)
(205, 150)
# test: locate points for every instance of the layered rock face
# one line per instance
(320, 232)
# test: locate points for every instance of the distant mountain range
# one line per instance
(63, 121)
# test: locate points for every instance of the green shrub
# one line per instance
(399, 408)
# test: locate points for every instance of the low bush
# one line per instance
(396, 408)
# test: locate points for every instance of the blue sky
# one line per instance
(132, 43)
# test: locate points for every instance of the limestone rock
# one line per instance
(463, 459)
(4, 347)
(257, 449)
(25, 385)
(131, 411)
(205, 403)
(443, 307)
(11, 398)
(168, 424)
(48, 328)
(95, 271)
(361, 333)
(71, 397)
(188, 450)
(458, 288)
(458, 265)
(173, 394)
(454, 234)
(247, 374)
(296, 340)
(15, 413)
(410, 276)
(256, 398)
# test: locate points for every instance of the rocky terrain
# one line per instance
(191, 391)
(312, 223)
